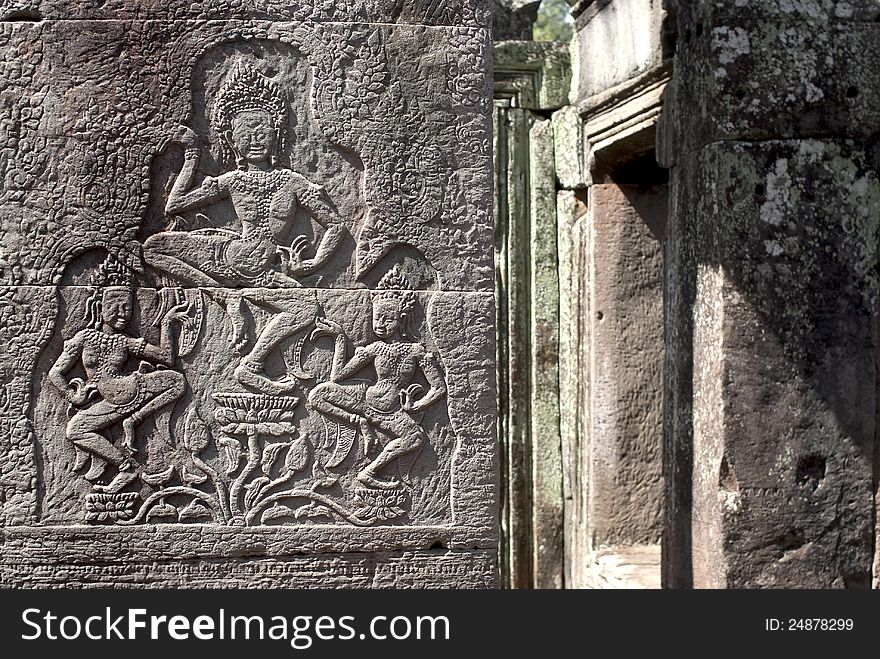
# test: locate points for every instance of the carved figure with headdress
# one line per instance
(111, 394)
(250, 116)
(391, 403)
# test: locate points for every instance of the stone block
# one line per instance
(626, 568)
(246, 294)
(409, 569)
(535, 75)
(817, 12)
(617, 41)
(546, 459)
(762, 74)
(782, 241)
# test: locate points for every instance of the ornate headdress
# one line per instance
(393, 286)
(246, 89)
(112, 273)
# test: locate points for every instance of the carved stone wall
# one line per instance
(247, 294)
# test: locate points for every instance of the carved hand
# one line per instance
(408, 398)
(306, 267)
(293, 259)
(80, 392)
(324, 327)
(179, 313)
(186, 137)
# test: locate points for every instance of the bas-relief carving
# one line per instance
(361, 410)
(261, 466)
(393, 403)
(109, 394)
(393, 123)
(26, 320)
(250, 116)
(196, 375)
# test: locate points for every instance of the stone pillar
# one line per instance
(612, 263)
(772, 295)
(626, 226)
(247, 307)
(574, 388)
(531, 81)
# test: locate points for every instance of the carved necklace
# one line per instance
(105, 343)
(262, 187)
(390, 351)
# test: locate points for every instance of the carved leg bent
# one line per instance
(343, 403)
(83, 431)
(292, 315)
(166, 253)
(408, 439)
(162, 388)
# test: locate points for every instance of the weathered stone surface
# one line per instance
(547, 516)
(616, 42)
(781, 241)
(611, 283)
(772, 295)
(777, 70)
(247, 305)
(528, 312)
(512, 213)
(818, 12)
(619, 127)
(678, 379)
(626, 329)
(471, 13)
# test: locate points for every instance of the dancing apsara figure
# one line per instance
(251, 117)
(388, 405)
(109, 394)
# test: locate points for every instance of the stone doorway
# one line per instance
(581, 207)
